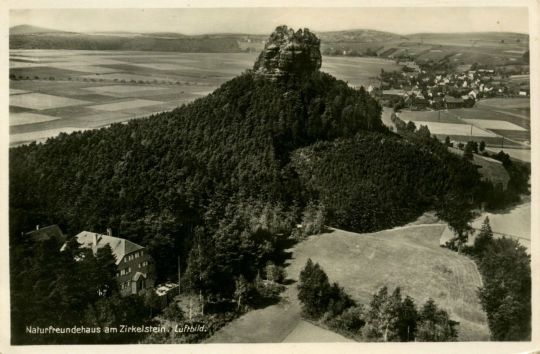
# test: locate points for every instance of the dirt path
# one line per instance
(276, 323)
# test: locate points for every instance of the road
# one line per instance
(276, 323)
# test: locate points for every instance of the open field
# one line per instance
(125, 105)
(409, 257)
(358, 71)
(512, 223)
(485, 113)
(494, 124)
(497, 121)
(39, 101)
(26, 118)
(455, 129)
(515, 223)
(518, 154)
(69, 86)
(429, 116)
(505, 103)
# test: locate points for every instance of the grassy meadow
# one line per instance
(409, 257)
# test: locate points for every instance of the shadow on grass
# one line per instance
(289, 281)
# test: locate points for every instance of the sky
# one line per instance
(263, 20)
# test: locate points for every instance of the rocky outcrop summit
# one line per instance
(289, 53)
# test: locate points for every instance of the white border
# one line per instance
(483, 347)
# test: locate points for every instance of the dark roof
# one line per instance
(47, 233)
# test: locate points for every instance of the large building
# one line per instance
(132, 260)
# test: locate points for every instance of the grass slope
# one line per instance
(408, 257)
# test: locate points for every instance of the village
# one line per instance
(422, 88)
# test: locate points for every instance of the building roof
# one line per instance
(138, 275)
(395, 92)
(47, 233)
(119, 246)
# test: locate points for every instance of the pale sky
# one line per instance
(264, 20)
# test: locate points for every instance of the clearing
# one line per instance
(409, 257)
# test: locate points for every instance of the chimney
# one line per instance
(94, 242)
(109, 231)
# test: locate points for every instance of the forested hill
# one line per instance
(162, 43)
(234, 172)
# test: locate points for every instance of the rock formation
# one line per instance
(289, 53)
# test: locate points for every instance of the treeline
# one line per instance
(506, 291)
(199, 44)
(387, 318)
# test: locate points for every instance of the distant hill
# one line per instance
(360, 35)
(441, 50)
(469, 35)
(160, 42)
(28, 29)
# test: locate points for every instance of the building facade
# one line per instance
(132, 261)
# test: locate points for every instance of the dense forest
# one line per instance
(364, 193)
(222, 183)
(76, 41)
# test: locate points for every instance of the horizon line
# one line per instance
(267, 33)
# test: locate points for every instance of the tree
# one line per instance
(435, 325)
(382, 316)
(313, 290)
(447, 142)
(411, 126)
(482, 146)
(468, 152)
(506, 293)
(484, 238)
(407, 318)
(274, 273)
(242, 293)
(106, 272)
(115, 311)
(423, 132)
(454, 210)
(338, 301)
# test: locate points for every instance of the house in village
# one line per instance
(132, 260)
